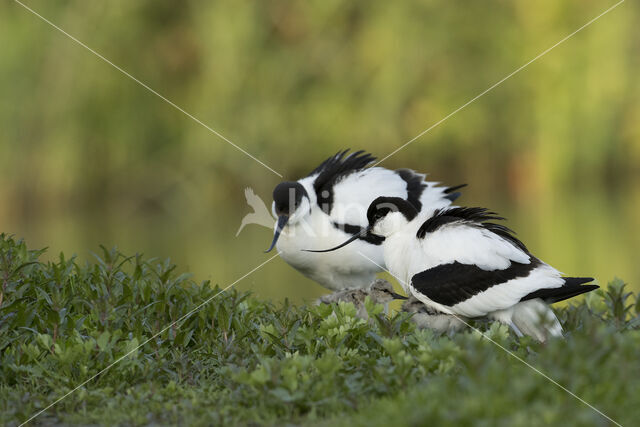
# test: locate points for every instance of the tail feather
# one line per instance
(536, 319)
(449, 190)
(452, 194)
(572, 287)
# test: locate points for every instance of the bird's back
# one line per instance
(471, 266)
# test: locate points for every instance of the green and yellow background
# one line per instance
(89, 157)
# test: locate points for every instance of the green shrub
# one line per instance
(237, 359)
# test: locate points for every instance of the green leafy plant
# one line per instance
(239, 359)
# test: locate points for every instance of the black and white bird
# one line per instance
(330, 204)
(458, 261)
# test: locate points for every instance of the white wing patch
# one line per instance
(469, 244)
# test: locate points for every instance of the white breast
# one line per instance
(340, 269)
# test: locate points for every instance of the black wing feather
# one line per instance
(415, 186)
(451, 192)
(573, 286)
(450, 284)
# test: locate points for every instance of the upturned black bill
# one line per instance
(282, 221)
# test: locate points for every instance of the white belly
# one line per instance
(344, 268)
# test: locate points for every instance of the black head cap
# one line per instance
(287, 196)
(382, 206)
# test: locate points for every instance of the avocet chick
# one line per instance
(380, 292)
(426, 317)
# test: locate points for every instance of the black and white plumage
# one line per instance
(459, 261)
(330, 204)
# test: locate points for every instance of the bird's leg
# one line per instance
(515, 329)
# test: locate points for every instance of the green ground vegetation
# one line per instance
(238, 359)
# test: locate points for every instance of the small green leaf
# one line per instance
(103, 340)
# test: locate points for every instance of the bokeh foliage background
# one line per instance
(89, 157)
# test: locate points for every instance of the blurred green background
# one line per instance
(89, 157)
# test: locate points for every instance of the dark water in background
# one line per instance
(89, 157)
(580, 233)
